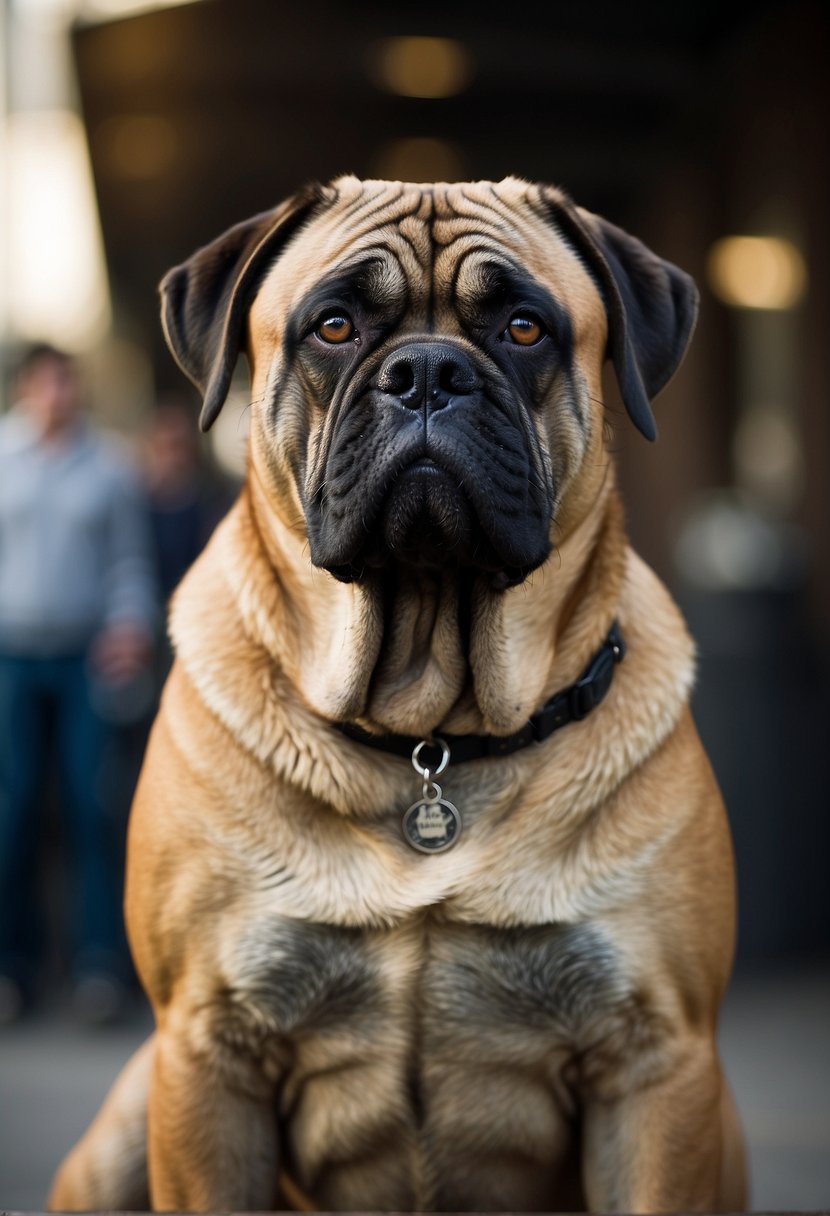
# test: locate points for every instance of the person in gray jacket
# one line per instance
(77, 609)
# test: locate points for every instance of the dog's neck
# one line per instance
(409, 653)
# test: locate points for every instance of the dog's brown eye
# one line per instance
(524, 330)
(335, 328)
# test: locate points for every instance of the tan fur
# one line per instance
(421, 1062)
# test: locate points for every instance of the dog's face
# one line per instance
(426, 363)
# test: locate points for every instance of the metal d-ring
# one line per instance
(428, 773)
(431, 791)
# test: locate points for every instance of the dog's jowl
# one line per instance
(429, 881)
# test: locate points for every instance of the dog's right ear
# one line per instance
(205, 301)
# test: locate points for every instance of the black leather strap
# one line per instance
(572, 704)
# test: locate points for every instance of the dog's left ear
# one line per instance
(651, 304)
(205, 301)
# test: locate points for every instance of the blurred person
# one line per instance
(77, 608)
(184, 506)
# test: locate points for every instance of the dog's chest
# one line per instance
(430, 1040)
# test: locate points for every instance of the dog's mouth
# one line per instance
(426, 518)
(428, 521)
(457, 484)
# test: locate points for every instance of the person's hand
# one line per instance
(120, 652)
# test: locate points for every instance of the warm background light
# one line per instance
(757, 272)
(228, 436)
(422, 67)
(57, 287)
(112, 10)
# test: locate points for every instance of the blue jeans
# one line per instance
(45, 699)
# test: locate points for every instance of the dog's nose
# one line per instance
(427, 374)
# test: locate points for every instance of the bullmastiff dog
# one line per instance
(430, 883)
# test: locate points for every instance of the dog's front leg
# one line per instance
(212, 1130)
(664, 1146)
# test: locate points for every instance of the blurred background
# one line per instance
(132, 132)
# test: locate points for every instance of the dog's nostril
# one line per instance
(398, 378)
(427, 374)
(453, 377)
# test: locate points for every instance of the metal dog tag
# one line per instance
(432, 825)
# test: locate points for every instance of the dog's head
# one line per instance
(426, 362)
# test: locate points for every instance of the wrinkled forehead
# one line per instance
(428, 248)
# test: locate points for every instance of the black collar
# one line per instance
(570, 705)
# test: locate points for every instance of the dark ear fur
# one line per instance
(651, 305)
(205, 301)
